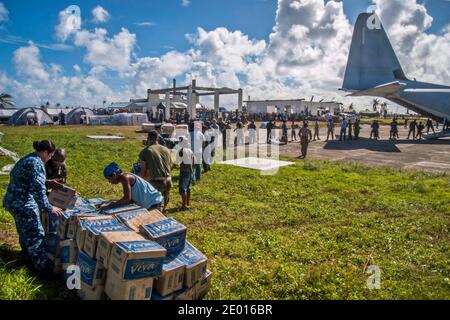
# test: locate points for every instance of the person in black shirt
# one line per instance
(56, 170)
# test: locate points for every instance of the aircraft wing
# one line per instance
(384, 90)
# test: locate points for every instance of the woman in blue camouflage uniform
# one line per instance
(25, 197)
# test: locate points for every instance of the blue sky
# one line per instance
(36, 20)
(168, 22)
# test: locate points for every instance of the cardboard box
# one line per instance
(92, 272)
(49, 223)
(68, 223)
(91, 294)
(81, 212)
(63, 198)
(195, 263)
(93, 233)
(84, 222)
(171, 278)
(186, 294)
(121, 209)
(69, 253)
(137, 259)
(169, 233)
(52, 243)
(106, 241)
(119, 289)
(137, 218)
(204, 285)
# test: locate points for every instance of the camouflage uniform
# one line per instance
(25, 197)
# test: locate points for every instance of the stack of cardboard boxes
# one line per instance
(128, 253)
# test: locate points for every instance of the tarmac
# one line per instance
(423, 155)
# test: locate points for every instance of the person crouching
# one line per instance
(135, 190)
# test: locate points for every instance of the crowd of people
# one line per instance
(148, 185)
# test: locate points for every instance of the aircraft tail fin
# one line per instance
(372, 60)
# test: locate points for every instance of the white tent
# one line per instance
(30, 116)
(79, 116)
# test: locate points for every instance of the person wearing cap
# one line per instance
(155, 162)
(56, 170)
(135, 189)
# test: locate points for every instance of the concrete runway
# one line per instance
(426, 155)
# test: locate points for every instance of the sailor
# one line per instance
(25, 197)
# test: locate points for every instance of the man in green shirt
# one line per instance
(156, 166)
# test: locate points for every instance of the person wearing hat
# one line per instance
(135, 189)
(56, 170)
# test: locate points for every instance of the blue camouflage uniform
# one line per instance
(25, 197)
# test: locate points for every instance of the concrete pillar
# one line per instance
(240, 99)
(216, 101)
(167, 109)
(194, 102)
(189, 101)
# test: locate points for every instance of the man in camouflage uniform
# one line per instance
(25, 197)
(305, 138)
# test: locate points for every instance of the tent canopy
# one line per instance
(79, 115)
(30, 116)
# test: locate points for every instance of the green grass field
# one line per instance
(305, 233)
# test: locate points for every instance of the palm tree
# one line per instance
(6, 100)
(376, 103)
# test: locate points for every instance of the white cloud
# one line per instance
(100, 15)
(306, 55)
(145, 24)
(28, 64)
(4, 13)
(69, 23)
(423, 55)
(40, 83)
(227, 50)
(111, 53)
(185, 3)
